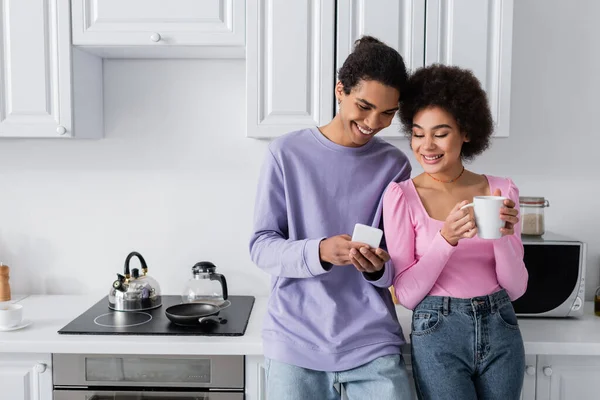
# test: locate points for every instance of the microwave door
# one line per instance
(553, 276)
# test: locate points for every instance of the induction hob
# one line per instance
(100, 320)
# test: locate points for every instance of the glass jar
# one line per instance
(532, 215)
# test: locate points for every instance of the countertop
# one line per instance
(49, 313)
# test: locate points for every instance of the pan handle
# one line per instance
(210, 317)
(220, 278)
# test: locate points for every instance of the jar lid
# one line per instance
(534, 201)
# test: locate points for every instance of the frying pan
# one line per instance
(190, 314)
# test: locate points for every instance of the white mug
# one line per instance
(11, 315)
(487, 215)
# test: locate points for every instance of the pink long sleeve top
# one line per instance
(426, 264)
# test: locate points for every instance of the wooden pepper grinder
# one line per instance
(4, 286)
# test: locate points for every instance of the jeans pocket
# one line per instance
(507, 317)
(425, 321)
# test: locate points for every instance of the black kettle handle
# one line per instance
(142, 261)
(220, 278)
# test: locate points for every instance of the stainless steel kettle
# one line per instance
(132, 292)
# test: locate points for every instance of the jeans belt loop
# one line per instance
(493, 304)
(446, 299)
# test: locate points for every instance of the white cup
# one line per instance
(487, 215)
(11, 315)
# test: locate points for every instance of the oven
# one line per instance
(147, 377)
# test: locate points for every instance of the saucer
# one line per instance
(23, 324)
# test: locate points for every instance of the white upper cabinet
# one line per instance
(398, 23)
(477, 35)
(289, 65)
(38, 74)
(290, 76)
(159, 28)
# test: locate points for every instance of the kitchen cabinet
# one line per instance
(398, 23)
(256, 378)
(528, 391)
(568, 377)
(290, 78)
(25, 376)
(477, 35)
(290, 73)
(46, 90)
(157, 28)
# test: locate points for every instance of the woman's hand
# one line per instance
(460, 224)
(509, 214)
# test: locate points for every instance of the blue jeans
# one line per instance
(384, 378)
(467, 348)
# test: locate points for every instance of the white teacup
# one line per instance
(11, 315)
(487, 215)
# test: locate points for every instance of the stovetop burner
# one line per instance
(100, 320)
(122, 319)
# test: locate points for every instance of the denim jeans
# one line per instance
(384, 378)
(467, 348)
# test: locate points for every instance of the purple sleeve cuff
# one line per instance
(312, 261)
(385, 280)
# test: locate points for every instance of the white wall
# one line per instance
(175, 177)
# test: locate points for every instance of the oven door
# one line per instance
(145, 372)
(110, 395)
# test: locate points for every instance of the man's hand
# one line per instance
(336, 249)
(369, 260)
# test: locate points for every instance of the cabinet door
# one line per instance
(477, 35)
(256, 379)
(528, 392)
(158, 22)
(289, 65)
(398, 23)
(25, 377)
(35, 59)
(568, 377)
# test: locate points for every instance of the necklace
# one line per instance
(451, 180)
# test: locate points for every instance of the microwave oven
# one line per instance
(556, 285)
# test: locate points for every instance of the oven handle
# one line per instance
(150, 395)
(133, 396)
(62, 394)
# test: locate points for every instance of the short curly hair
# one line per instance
(457, 91)
(373, 60)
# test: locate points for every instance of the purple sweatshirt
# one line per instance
(309, 189)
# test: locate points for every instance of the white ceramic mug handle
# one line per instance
(467, 205)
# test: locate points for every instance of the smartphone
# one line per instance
(367, 234)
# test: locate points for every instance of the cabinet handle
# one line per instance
(547, 371)
(40, 368)
(530, 370)
(61, 130)
(155, 37)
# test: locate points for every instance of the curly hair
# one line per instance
(457, 91)
(373, 60)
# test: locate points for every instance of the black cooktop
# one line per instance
(100, 320)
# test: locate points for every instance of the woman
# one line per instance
(329, 322)
(465, 340)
